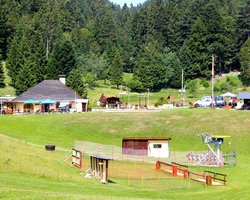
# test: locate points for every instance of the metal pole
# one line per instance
(128, 98)
(148, 99)
(1, 106)
(212, 81)
(182, 94)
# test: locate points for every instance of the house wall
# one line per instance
(19, 107)
(78, 107)
(135, 147)
(158, 148)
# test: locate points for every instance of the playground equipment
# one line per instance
(182, 171)
(98, 168)
(77, 158)
(214, 156)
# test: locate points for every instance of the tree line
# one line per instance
(97, 40)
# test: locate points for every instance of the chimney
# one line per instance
(62, 78)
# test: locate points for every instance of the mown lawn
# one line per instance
(27, 171)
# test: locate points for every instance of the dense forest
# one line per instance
(96, 40)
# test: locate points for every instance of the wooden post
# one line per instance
(158, 165)
(174, 170)
(106, 178)
(186, 174)
(209, 180)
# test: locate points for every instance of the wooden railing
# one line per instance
(221, 178)
(180, 170)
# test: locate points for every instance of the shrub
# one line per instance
(192, 87)
(204, 83)
(224, 87)
(135, 85)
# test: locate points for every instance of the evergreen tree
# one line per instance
(62, 60)
(149, 70)
(198, 49)
(2, 77)
(9, 14)
(245, 62)
(173, 69)
(19, 52)
(186, 62)
(76, 82)
(116, 68)
(243, 24)
(26, 77)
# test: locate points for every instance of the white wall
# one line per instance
(162, 152)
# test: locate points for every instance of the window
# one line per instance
(157, 146)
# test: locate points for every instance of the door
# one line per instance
(84, 107)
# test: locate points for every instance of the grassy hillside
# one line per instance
(27, 171)
(8, 90)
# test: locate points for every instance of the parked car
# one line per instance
(206, 101)
(219, 101)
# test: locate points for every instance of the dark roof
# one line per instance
(100, 157)
(48, 89)
(244, 95)
(144, 139)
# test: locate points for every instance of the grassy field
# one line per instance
(27, 171)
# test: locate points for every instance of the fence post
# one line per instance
(174, 170)
(209, 180)
(158, 165)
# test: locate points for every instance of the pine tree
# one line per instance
(76, 81)
(26, 77)
(19, 52)
(2, 77)
(116, 68)
(243, 24)
(186, 62)
(149, 70)
(172, 70)
(62, 60)
(197, 43)
(245, 62)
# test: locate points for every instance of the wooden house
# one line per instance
(150, 147)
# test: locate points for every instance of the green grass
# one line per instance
(8, 90)
(27, 171)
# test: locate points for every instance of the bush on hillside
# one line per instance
(204, 83)
(135, 85)
(233, 81)
(225, 87)
(192, 86)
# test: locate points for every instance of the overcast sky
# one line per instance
(122, 2)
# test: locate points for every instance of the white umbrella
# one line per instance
(229, 94)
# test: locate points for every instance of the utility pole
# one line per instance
(148, 99)
(182, 88)
(213, 81)
(128, 97)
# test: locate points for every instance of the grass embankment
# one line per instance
(27, 171)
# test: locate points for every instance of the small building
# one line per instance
(49, 96)
(245, 96)
(151, 147)
(109, 101)
(99, 167)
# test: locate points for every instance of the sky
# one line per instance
(122, 2)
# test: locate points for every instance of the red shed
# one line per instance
(152, 147)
